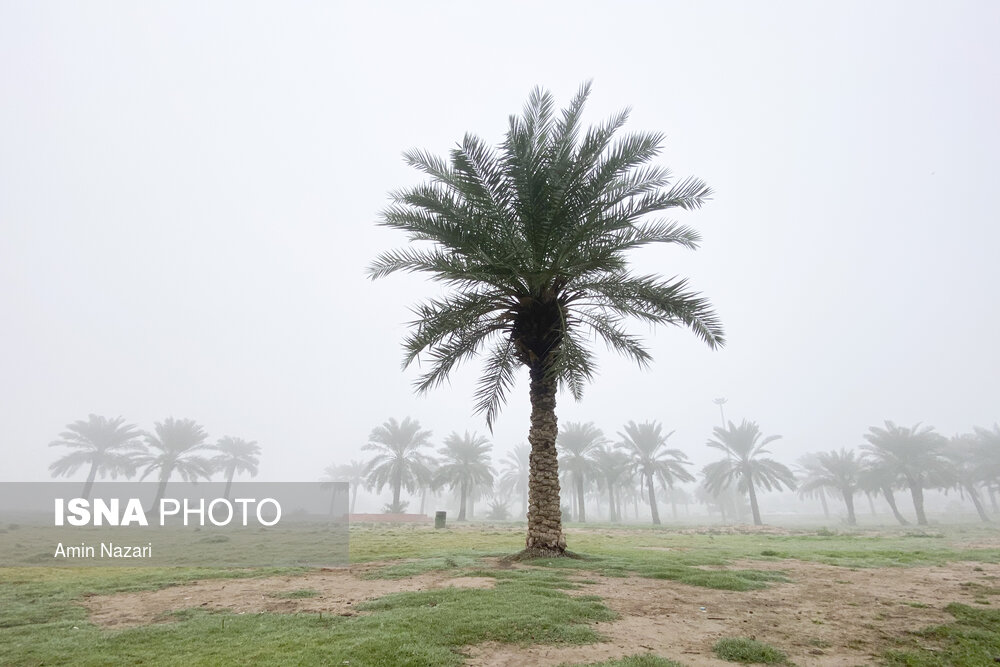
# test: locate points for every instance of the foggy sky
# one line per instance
(188, 194)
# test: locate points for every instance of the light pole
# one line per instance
(720, 402)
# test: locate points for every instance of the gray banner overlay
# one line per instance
(131, 524)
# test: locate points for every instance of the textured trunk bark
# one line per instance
(977, 501)
(753, 504)
(581, 511)
(89, 484)
(917, 493)
(544, 514)
(849, 501)
(891, 499)
(652, 500)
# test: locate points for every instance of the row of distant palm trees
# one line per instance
(176, 447)
(639, 463)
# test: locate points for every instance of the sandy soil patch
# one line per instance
(827, 616)
(337, 592)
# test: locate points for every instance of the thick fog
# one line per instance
(189, 192)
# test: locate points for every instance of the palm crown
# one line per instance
(533, 238)
(108, 446)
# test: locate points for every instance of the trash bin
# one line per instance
(439, 519)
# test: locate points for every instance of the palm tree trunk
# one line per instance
(89, 484)
(753, 504)
(826, 507)
(229, 481)
(423, 499)
(917, 493)
(652, 500)
(581, 511)
(397, 484)
(612, 512)
(354, 498)
(871, 503)
(891, 499)
(461, 502)
(977, 501)
(544, 514)
(160, 490)
(993, 499)
(849, 501)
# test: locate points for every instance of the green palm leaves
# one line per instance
(532, 237)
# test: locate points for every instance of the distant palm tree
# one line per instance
(839, 471)
(612, 471)
(398, 462)
(173, 448)
(809, 468)
(465, 466)
(533, 239)
(744, 464)
(989, 460)
(965, 455)
(235, 455)
(876, 479)
(645, 444)
(514, 476)
(353, 473)
(913, 454)
(108, 446)
(575, 442)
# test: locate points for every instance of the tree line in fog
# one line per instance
(612, 476)
(639, 467)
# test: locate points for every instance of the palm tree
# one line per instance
(839, 471)
(533, 239)
(645, 444)
(354, 473)
(809, 467)
(465, 466)
(576, 442)
(108, 446)
(989, 460)
(912, 454)
(398, 462)
(965, 454)
(611, 468)
(514, 477)
(236, 455)
(173, 448)
(744, 449)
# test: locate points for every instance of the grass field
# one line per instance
(639, 596)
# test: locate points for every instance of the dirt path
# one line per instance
(825, 616)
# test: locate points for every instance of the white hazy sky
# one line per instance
(189, 190)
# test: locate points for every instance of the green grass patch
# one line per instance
(298, 594)
(414, 567)
(972, 639)
(750, 651)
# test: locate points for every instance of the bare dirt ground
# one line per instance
(825, 616)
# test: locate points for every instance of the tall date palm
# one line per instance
(645, 444)
(746, 464)
(398, 462)
(532, 238)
